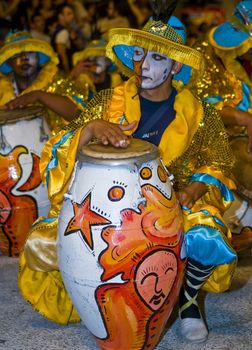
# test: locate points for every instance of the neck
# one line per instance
(24, 82)
(161, 93)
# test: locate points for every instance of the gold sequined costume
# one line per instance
(196, 135)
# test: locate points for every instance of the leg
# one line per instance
(192, 324)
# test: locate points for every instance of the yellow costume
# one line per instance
(38, 262)
(194, 147)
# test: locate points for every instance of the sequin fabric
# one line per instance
(96, 109)
(209, 147)
(216, 80)
(62, 86)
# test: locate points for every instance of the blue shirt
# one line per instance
(153, 131)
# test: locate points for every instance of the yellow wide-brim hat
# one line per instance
(18, 42)
(167, 39)
(94, 48)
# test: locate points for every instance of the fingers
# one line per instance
(185, 199)
(113, 137)
(129, 126)
(18, 102)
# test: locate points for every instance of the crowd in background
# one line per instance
(69, 25)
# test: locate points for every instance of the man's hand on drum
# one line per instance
(23, 100)
(107, 133)
(190, 194)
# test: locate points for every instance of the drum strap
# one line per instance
(164, 109)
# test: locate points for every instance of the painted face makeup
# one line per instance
(24, 64)
(152, 68)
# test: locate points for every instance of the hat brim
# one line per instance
(88, 52)
(44, 50)
(121, 44)
(227, 37)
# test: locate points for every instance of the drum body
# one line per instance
(120, 245)
(22, 195)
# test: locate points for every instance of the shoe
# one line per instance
(194, 329)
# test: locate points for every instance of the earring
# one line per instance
(173, 72)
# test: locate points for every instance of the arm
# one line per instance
(61, 105)
(232, 116)
(61, 50)
(189, 195)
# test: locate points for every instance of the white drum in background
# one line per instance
(23, 133)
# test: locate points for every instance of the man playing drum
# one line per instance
(194, 146)
(29, 64)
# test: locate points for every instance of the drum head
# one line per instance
(243, 166)
(14, 115)
(138, 150)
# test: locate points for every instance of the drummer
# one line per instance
(227, 82)
(29, 64)
(193, 143)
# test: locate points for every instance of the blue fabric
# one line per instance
(79, 100)
(54, 161)
(207, 246)
(211, 180)
(213, 99)
(245, 103)
(125, 52)
(48, 220)
(184, 74)
(227, 35)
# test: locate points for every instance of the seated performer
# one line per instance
(194, 146)
(91, 66)
(28, 64)
(226, 84)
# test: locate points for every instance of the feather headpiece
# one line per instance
(163, 9)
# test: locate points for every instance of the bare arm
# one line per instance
(232, 116)
(61, 50)
(61, 105)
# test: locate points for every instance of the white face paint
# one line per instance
(101, 63)
(152, 67)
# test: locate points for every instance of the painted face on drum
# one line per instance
(24, 64)
(151, 68)
(155, 278)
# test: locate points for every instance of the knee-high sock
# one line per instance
(195, 276)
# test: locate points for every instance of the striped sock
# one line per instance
(195, 276)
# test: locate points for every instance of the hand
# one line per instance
(23, 100)
(82, 67)
(189, 195)
(107, 133)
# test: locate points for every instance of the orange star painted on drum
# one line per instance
(83, 219)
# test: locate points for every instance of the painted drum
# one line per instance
(23, 197)
(120, 244)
